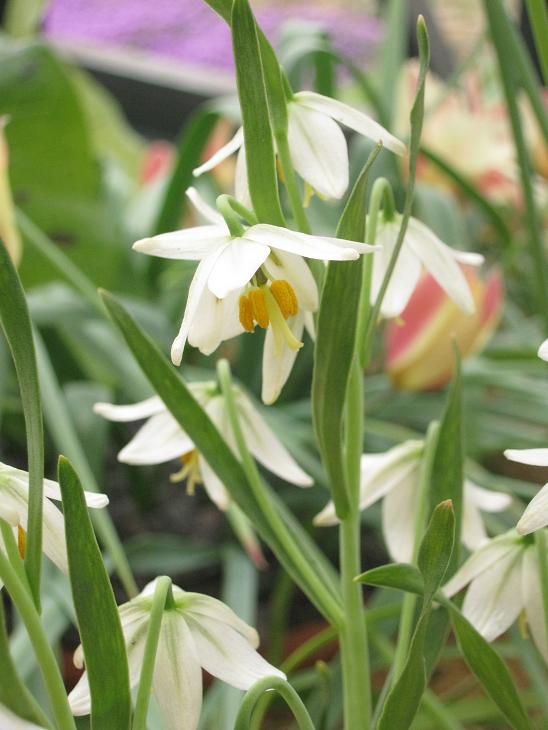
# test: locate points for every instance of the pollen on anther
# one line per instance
(260, 313)
(21, 541)
(285, 297)
(246, 313)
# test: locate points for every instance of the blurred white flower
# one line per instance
(543, 351)
(9, 721)
(504, 581)
(162, 439)
(197, 632)
(316, 144)
(394, 475)
(421, 247)
(14, 508)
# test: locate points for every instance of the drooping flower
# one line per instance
(419, 344)
(196, 632)
(394, 477)
(504, 583)
(161, 439)
(10, 721)
(421, 248)
(317, 144)
(14, 507)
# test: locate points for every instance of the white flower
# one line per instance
(161, 439)
(316, 144)
(394, 476)
(543, 351)
(198, 631)
(504, 581)
(14, 497)
(421, 247)
(9, 721)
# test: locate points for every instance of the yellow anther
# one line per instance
(280, 171)
(190, 471)
(21, 541)
(285, 296)
(246, 313)
(260, 313)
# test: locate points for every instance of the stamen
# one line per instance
(523, 625)
(260, 312)
(285, 296)
(246, 314)
(190, 471)
(280, 329)
(280, 171)
(21, 541)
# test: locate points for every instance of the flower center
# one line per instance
(271, 305)
(189, 471)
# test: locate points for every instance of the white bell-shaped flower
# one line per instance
(196, 632)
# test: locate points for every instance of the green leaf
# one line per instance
(393, 53)
(335, 344)
(204, 434)
(447, 481)
(491, 671)
(436, 548)
(402, 576)
(259, 145)
(14, 316)
(96, 611)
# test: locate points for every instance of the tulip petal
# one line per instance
(94, 500)
(199, 605)
(228, 149)
(532, 457)
(473, 534)
(227, 655)
(487, 499)
(214, 487)
(159, 440)
(190, 244)
(494, 599)
(295, 270)
(535, 515)
(266, 447)
(303, 244)
(133, 412)
(208, 212)
(380, 473)
(277, 365)
(356, 120)
(543, 350)
(177, 681)
(318, 150)
(241, 186)
(398, 518)
(218, 321)
(533, 601)
(236, 265)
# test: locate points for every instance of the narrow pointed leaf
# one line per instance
(491, 671)
(204, 434)
(96, 611)
(402, 576)
(436, 548)
(335, 343)
(14, 316)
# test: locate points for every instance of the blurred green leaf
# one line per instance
(402, 576)
(96, 611)
(14, 316)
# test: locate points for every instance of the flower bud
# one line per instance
(419, 344)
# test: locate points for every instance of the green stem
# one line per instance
(277, 526)
(44, 653)
(542, 556)
(353, 633)
(227, 210)
(421, 515)
(495, 13)
(286, 691)
(290, 181)
(161, 596)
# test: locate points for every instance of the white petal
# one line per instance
(177, 682)
(94, 500)
(295, 270)
(192, 309)
(159, 440)
(226, 654)
(9, 721)
(228, 149)
(277, 365)
(474, 534)
(318, 150)
(533, 457)
(404, 278)
(486, 499)
(469, 258)
(266, 447)
(327, 516)
(532, 598)
(214, 487)
(236, 266)
(303, 244)
(398, 519)
(543, 350)
(241, 186)
(208, 212)
(489, 554)
(9, 513)
(350, 117)
(535, 515)
(199, 605)
(133, 412)
(218, 321)
(440, 261)
(53, 534)
(190, 244)
(380, 473)
(494, 599)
